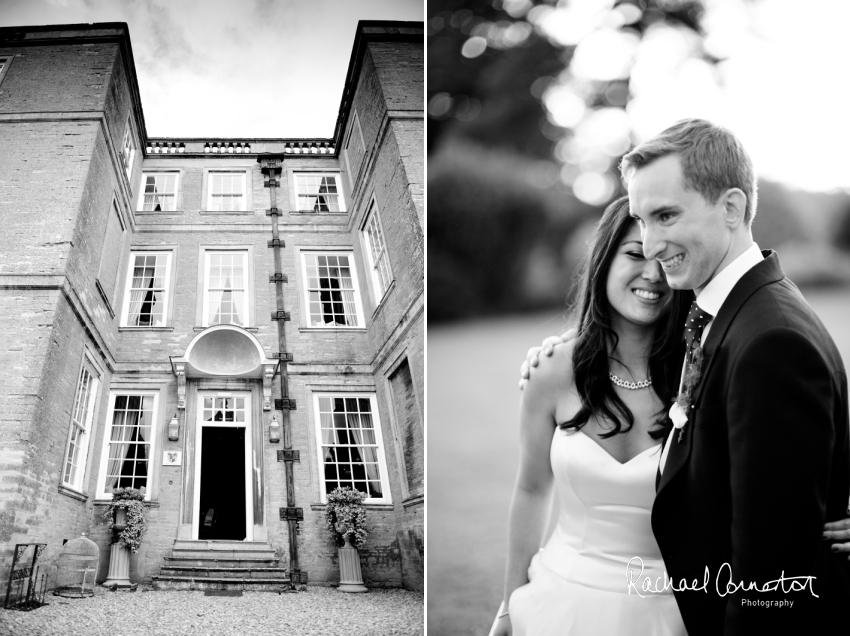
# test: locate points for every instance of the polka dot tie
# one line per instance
(695, 323)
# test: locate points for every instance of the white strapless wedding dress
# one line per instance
(578, 583)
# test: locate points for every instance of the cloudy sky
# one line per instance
(231, 68)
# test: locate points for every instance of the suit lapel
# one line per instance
(765, 272)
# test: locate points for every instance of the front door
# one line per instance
(223, 509)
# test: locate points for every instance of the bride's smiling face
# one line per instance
(636, 288)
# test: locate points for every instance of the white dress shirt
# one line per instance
(711, 299)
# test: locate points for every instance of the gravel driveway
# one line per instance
(319, 611)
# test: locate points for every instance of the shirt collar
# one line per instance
(712, 297)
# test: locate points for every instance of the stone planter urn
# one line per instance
(119, 557)
(350, 577)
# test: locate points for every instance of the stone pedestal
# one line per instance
(350, 577)
(119, 567)
(119, 557)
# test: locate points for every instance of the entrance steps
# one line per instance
(222, 565)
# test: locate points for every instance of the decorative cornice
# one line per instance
(210, 147)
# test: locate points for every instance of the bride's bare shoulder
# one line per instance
(555, 371)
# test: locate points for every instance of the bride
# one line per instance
(592, 421)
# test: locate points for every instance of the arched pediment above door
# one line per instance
(224, 351)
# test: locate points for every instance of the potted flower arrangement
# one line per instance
(126, 516)
(346, 521)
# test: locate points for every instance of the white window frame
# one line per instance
(361, 320)
(379, 286)
(128, 288)
(107, 434)
(128, 148)
(159, 173)
(81, 420)
(247, 287)
(244, 199)
(337, 180)
(376, 422)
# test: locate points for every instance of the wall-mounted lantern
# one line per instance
(274, 430)
(174, 429)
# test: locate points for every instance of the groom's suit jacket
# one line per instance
(763, 462)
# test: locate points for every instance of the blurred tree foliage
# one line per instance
(501, 208)
(511, 115)
(496, 206)
(484, 220)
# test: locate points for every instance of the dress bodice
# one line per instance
(604, 514)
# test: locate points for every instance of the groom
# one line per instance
(759, 460)
(766, 435)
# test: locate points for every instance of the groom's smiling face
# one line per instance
(680, 229)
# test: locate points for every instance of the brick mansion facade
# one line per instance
(235, 325)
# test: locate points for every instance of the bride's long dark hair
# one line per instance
(596, 337)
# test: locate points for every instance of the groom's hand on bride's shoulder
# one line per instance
(532, 358)
(839, 533)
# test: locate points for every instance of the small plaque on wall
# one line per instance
(172, 458)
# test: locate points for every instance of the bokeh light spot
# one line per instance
(605, 55)
(516, 8)
(608, 130)
(439, 105)
(474, 47)
(631, 13)
(565, 106)
(435, 25)
(570, 25)
(594, 188)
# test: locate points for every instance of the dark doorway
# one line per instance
(222, 506)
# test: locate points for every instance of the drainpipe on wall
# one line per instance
(272, 169)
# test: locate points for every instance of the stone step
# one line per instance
(222, 546)
(223, 573)
(230, 550)
(212, 583)
(207, 562)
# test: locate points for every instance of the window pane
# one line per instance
(147, 290)
(377, 254)
(226, 287)
(327, 273)
(317, 193)
(349, 444)
(80, 424)
(129, 442)
(160, 192)
(227, 191)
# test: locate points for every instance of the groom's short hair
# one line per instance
(713, 160)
